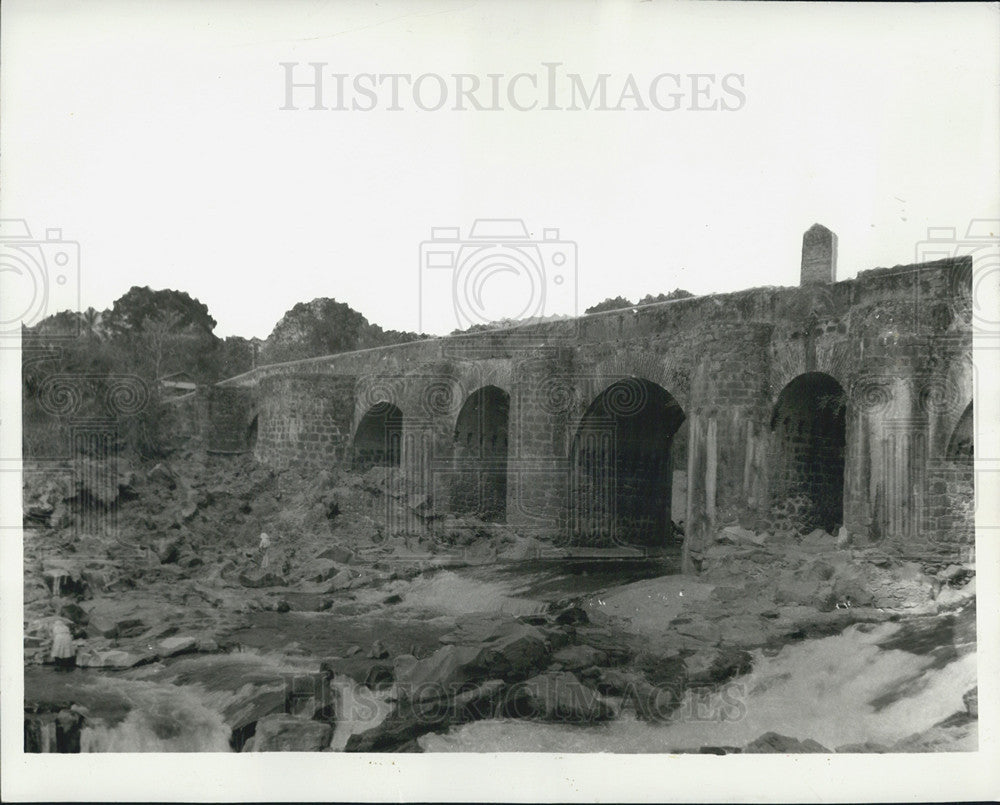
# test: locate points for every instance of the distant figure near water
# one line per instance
(265, 543)
(63, 653)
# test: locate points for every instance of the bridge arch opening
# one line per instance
(480, 454)
(378, 437)
(808, 427)
(629, 467)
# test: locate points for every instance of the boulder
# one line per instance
(864, 748)
(116, 619)
(574, 658)
(957, 733)
(398, 731)
(172, 646)
(444, 672)
(737, 535)
(775, 743)
(285, 733)
(971, 701)
(161, 474)
(338, 554)
(75, 613)
(572, 616)
(716, 665)
(261, 578)
(341, 581)
(818, 540)
(479, 702)
(512, 651)
(111, 658)
(373, 674)
(559, 696)
(320, 570)
(378, 651)
(168, 550)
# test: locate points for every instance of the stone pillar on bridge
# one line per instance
(725, 412)
(537, 463)
(819, 256)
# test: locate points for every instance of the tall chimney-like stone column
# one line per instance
(819, 256)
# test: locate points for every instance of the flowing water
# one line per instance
(869, 683)
(846, 689)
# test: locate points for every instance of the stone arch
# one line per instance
(480, 450)
(808, 445)
(378, 436)
(961, 445)
(623, 459)
(668, 372)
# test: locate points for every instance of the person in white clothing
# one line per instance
(63, 651)
(265, 543)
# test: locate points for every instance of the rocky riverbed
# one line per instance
(465, 635)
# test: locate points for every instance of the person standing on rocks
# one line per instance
(265, 543)
(63, 652)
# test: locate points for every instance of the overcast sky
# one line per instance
(153, 135)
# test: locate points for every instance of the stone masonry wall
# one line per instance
(896, 341)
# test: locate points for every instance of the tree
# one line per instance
(234, 356)
(311, 329)
(91, 324)
(141, 307)
(618, 303)
(325, 327)
(677, 293)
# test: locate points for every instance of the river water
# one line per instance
(869, 683)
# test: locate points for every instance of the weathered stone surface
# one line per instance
(320, 570)
(574, 658)
(713, 666)
(971, 701)
(957, 733)
(338, 554)
(773, 742)
(559, 696)
(446, 670)
(172, 646)
(111, 658)
(376, 674)
(721, 356)
(262, 579)
(286, 733)
(118, 618)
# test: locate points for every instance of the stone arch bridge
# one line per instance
(826, 405)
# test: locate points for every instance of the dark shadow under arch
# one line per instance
(626, 451)
(480, 455)
(808, 427)
(378, 437)
(961, 445)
